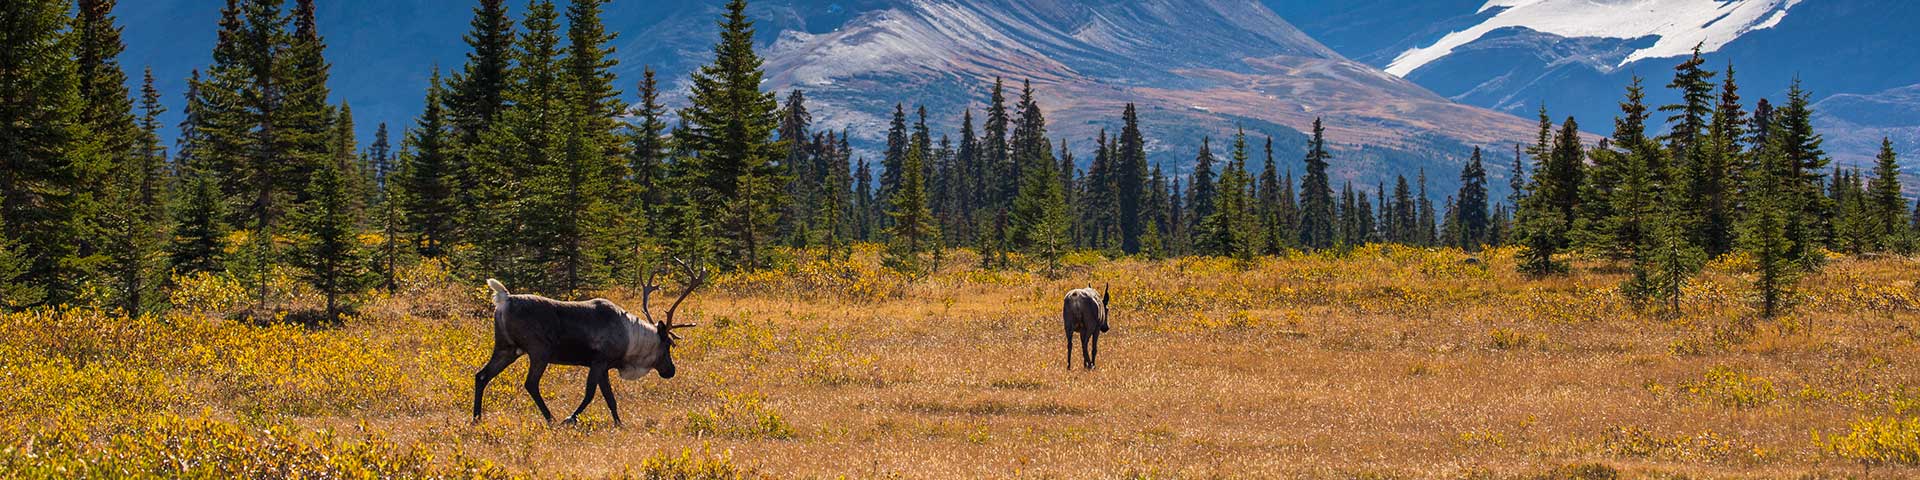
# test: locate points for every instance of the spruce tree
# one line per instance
(1887, 207)
(1425, 222)
(515, 234)
(1499, 226)
(391, 223)
(197, 207)
(1470, 211)
(1067, 175)
(863, 202)
(1852, 222)
(1716, 183)
(912, 232)
(41, 155)
(427, 177)
(16, 289)
(474, 99)
(590, 61)
(1099, 207)
(110, 218)
(1346, 233)
(1038, 220)
(1627, 175)
(1316, 195)
(1273, 237)
(122, 213)
(966, 183)
(1383, 215)
(327, 248)
(646, 148)
(380, 157)
(133, 220)
(1404, 214)
(1288, 213)
(1794, 139)
(1669, 257)
(1177, 238)
(1200, 186)
(731, 123)
(1517, 178)
(835, 213)
(1156, 209)
(1000, 180)
(300, 126)
(1546, 212)
(898, 142)
(1600, 227)
(1770, 205)
(1130, 180)
(795, 122)
(1231, 229)
(599, 237)
(1689, 118)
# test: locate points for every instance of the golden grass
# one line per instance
(1388, 362)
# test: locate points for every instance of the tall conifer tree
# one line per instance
(1470, 209)
(1886, 207)
(1039, 220)
(731, 123)
(1316, 195)
(427, 177)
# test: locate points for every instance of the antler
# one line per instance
(647, 287)
(696, 276)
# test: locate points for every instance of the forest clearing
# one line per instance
(1384, 362)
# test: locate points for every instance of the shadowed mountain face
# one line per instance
(1854, 124)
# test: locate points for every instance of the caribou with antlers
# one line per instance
(596, 334)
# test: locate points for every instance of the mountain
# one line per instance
(1196, 67)
(1576, 56)
(1854, 124)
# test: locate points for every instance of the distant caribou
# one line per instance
(596, 334)
(1085, 311)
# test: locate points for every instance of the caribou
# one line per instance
(596, 334)
(1085, 312)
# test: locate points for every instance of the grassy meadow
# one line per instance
(1386, 362)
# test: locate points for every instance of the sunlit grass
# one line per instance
(1384, 362)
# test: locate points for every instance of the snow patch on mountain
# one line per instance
(1678, 25)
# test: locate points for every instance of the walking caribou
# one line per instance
(596, 334)
(1085, 312)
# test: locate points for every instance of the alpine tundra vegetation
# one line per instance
(248, 262)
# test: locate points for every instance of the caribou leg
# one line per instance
(1086, 354)
(1096, 352)
(606, 391)
(595, 375)
(1069, 350)
(502, 357)
(535, 369)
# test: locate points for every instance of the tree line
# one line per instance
(528, 164)
(1722, 180)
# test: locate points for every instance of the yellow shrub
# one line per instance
(688, 465)
(169, 447)
(1876, 441)
(739, 415)
(1730, 387)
